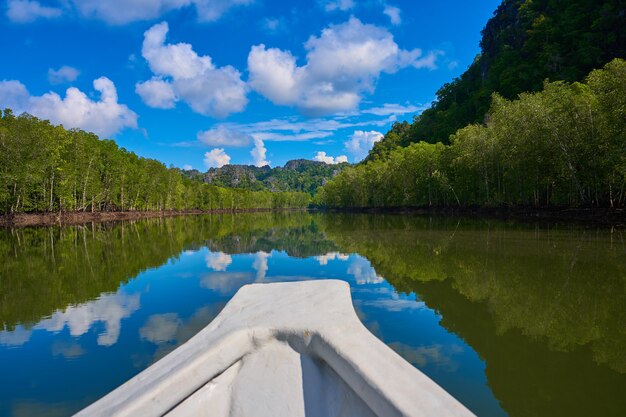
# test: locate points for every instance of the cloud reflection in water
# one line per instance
(109, 309)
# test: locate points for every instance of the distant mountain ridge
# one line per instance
(296, 175)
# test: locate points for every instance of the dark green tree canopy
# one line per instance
(522, 45)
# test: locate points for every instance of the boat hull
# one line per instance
(282, 349)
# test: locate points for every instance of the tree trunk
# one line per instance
(51, 191)
(85, 186)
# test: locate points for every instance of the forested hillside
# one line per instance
(45, 168)
(297, 175)
(562, 146)
(523, 44)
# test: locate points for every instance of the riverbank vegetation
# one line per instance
(562, 146)
(46, 168)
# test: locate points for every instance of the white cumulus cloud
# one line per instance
(342, 65)
(13, 94)
(104, 117)
(393, 13)
(363, 271)
(258, 153)
(260, 265)
(160, 328)
(109, 309)
(157, 93)
(322, 157)
(216, 158)
(181, 74)
(218, 261)
(361, 142)
(25, 11)
(428, 61)
(331, 256)
(15, 337)
(226, 283)
(223, 136)
(63, 75)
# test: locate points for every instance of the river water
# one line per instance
(512, 319)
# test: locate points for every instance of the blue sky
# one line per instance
(200, 83)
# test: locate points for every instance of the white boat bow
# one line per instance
(282, 349)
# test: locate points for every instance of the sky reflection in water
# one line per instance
(74, 355)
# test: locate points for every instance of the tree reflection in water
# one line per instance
(542, 306)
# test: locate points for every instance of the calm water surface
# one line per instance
(513, 320)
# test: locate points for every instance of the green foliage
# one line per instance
(514, 279)
(562, 146)
(410, 176)
(398, 135)
(523, 44)
(47, 268)
(46, 168)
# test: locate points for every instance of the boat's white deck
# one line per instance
(283, 349)
(274, 381)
